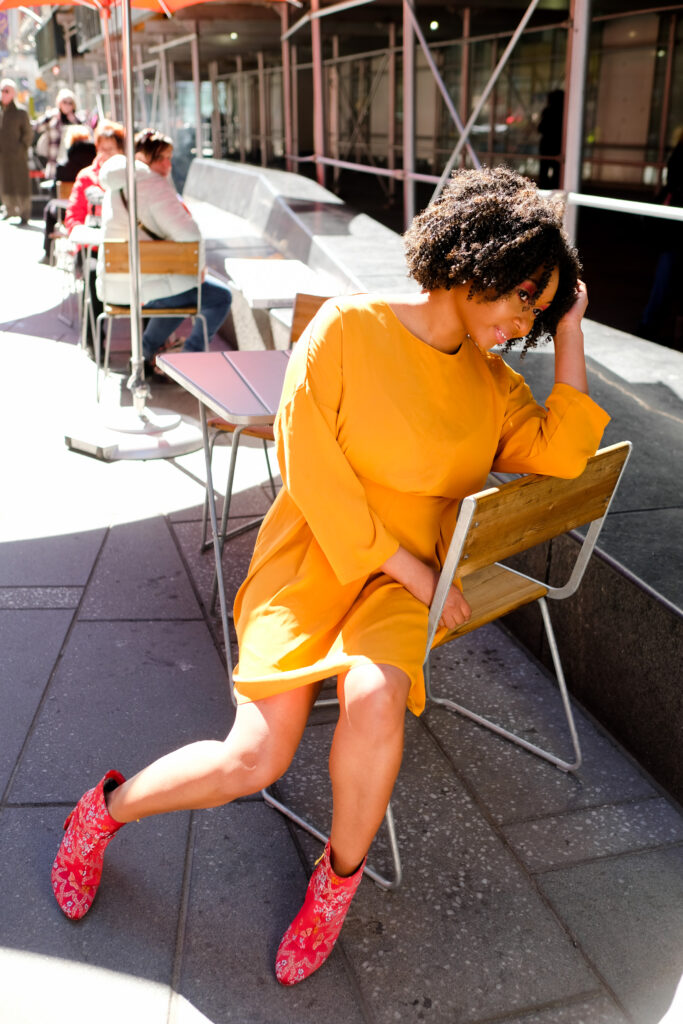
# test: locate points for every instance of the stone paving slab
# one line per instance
(40, 597)
(131, 929)
(625, 913)
(491, 674)
(247, 885)
(594, 1010)
(596, 832)
(30, 642)
(45, 561)
(124, 694)
(140, 575)
(236, 557)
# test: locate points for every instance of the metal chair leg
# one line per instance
(270, 472)
(566, 766)
(384, 883)
(244, 527)
(204, 543)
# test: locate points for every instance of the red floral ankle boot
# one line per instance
(311, 936)
(77, 869)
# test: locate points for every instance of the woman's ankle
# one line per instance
(343, 867)
(112, 799)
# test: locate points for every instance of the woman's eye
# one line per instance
(524, 296)
(536, 312)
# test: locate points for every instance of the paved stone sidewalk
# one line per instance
(528, 895)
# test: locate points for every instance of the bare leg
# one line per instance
(365, 758)
(257, 751)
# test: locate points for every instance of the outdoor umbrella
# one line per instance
(136, 384)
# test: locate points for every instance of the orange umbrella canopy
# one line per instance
(160, 6)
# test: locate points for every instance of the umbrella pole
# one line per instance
(136, 433)
(106, 36)
(136, 383)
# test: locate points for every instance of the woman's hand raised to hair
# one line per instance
(570, 362)
(571, 321)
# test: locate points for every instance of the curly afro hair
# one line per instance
(491, 229)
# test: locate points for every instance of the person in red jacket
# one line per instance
(108, 142)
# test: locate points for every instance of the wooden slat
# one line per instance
(125, 311)
(64, 189)
(155, 257)
(264, 433)
(305, 308)
(525, 512)
(491, 592)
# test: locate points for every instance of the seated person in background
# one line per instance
(108, 142)
(161, 215)
(80, 152)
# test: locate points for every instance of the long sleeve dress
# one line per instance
(379, 436)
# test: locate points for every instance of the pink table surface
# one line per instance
(242, 387)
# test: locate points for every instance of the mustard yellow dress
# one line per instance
(379, 435)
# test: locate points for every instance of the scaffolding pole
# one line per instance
(574, 101)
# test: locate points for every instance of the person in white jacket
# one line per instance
(161, 214)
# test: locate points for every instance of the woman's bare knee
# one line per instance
(374, 697)
(263, 741)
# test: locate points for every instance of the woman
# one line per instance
(85, 198)
(80, 153)
(108, 142)
(392, 411)
(54, 125)
(161, 214)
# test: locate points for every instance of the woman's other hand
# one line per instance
(421, 580)
(456, 610)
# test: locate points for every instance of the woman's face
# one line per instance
(494, 321)
(107, 146)
(162, 164)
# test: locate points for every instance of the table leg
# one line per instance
(86, 308)
(216, 542)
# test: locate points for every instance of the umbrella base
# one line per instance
(124, 434)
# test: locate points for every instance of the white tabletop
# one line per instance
(273, 282)
(83, 234)
(242, 387)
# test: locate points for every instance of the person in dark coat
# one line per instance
(550, 142)
(16, 136)
(80, 153)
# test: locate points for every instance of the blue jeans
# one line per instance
(216, 299)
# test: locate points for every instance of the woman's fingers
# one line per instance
(455, 611)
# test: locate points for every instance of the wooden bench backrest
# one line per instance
(64, 189)
(155, 257)
(305, 308)
(532, 509)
